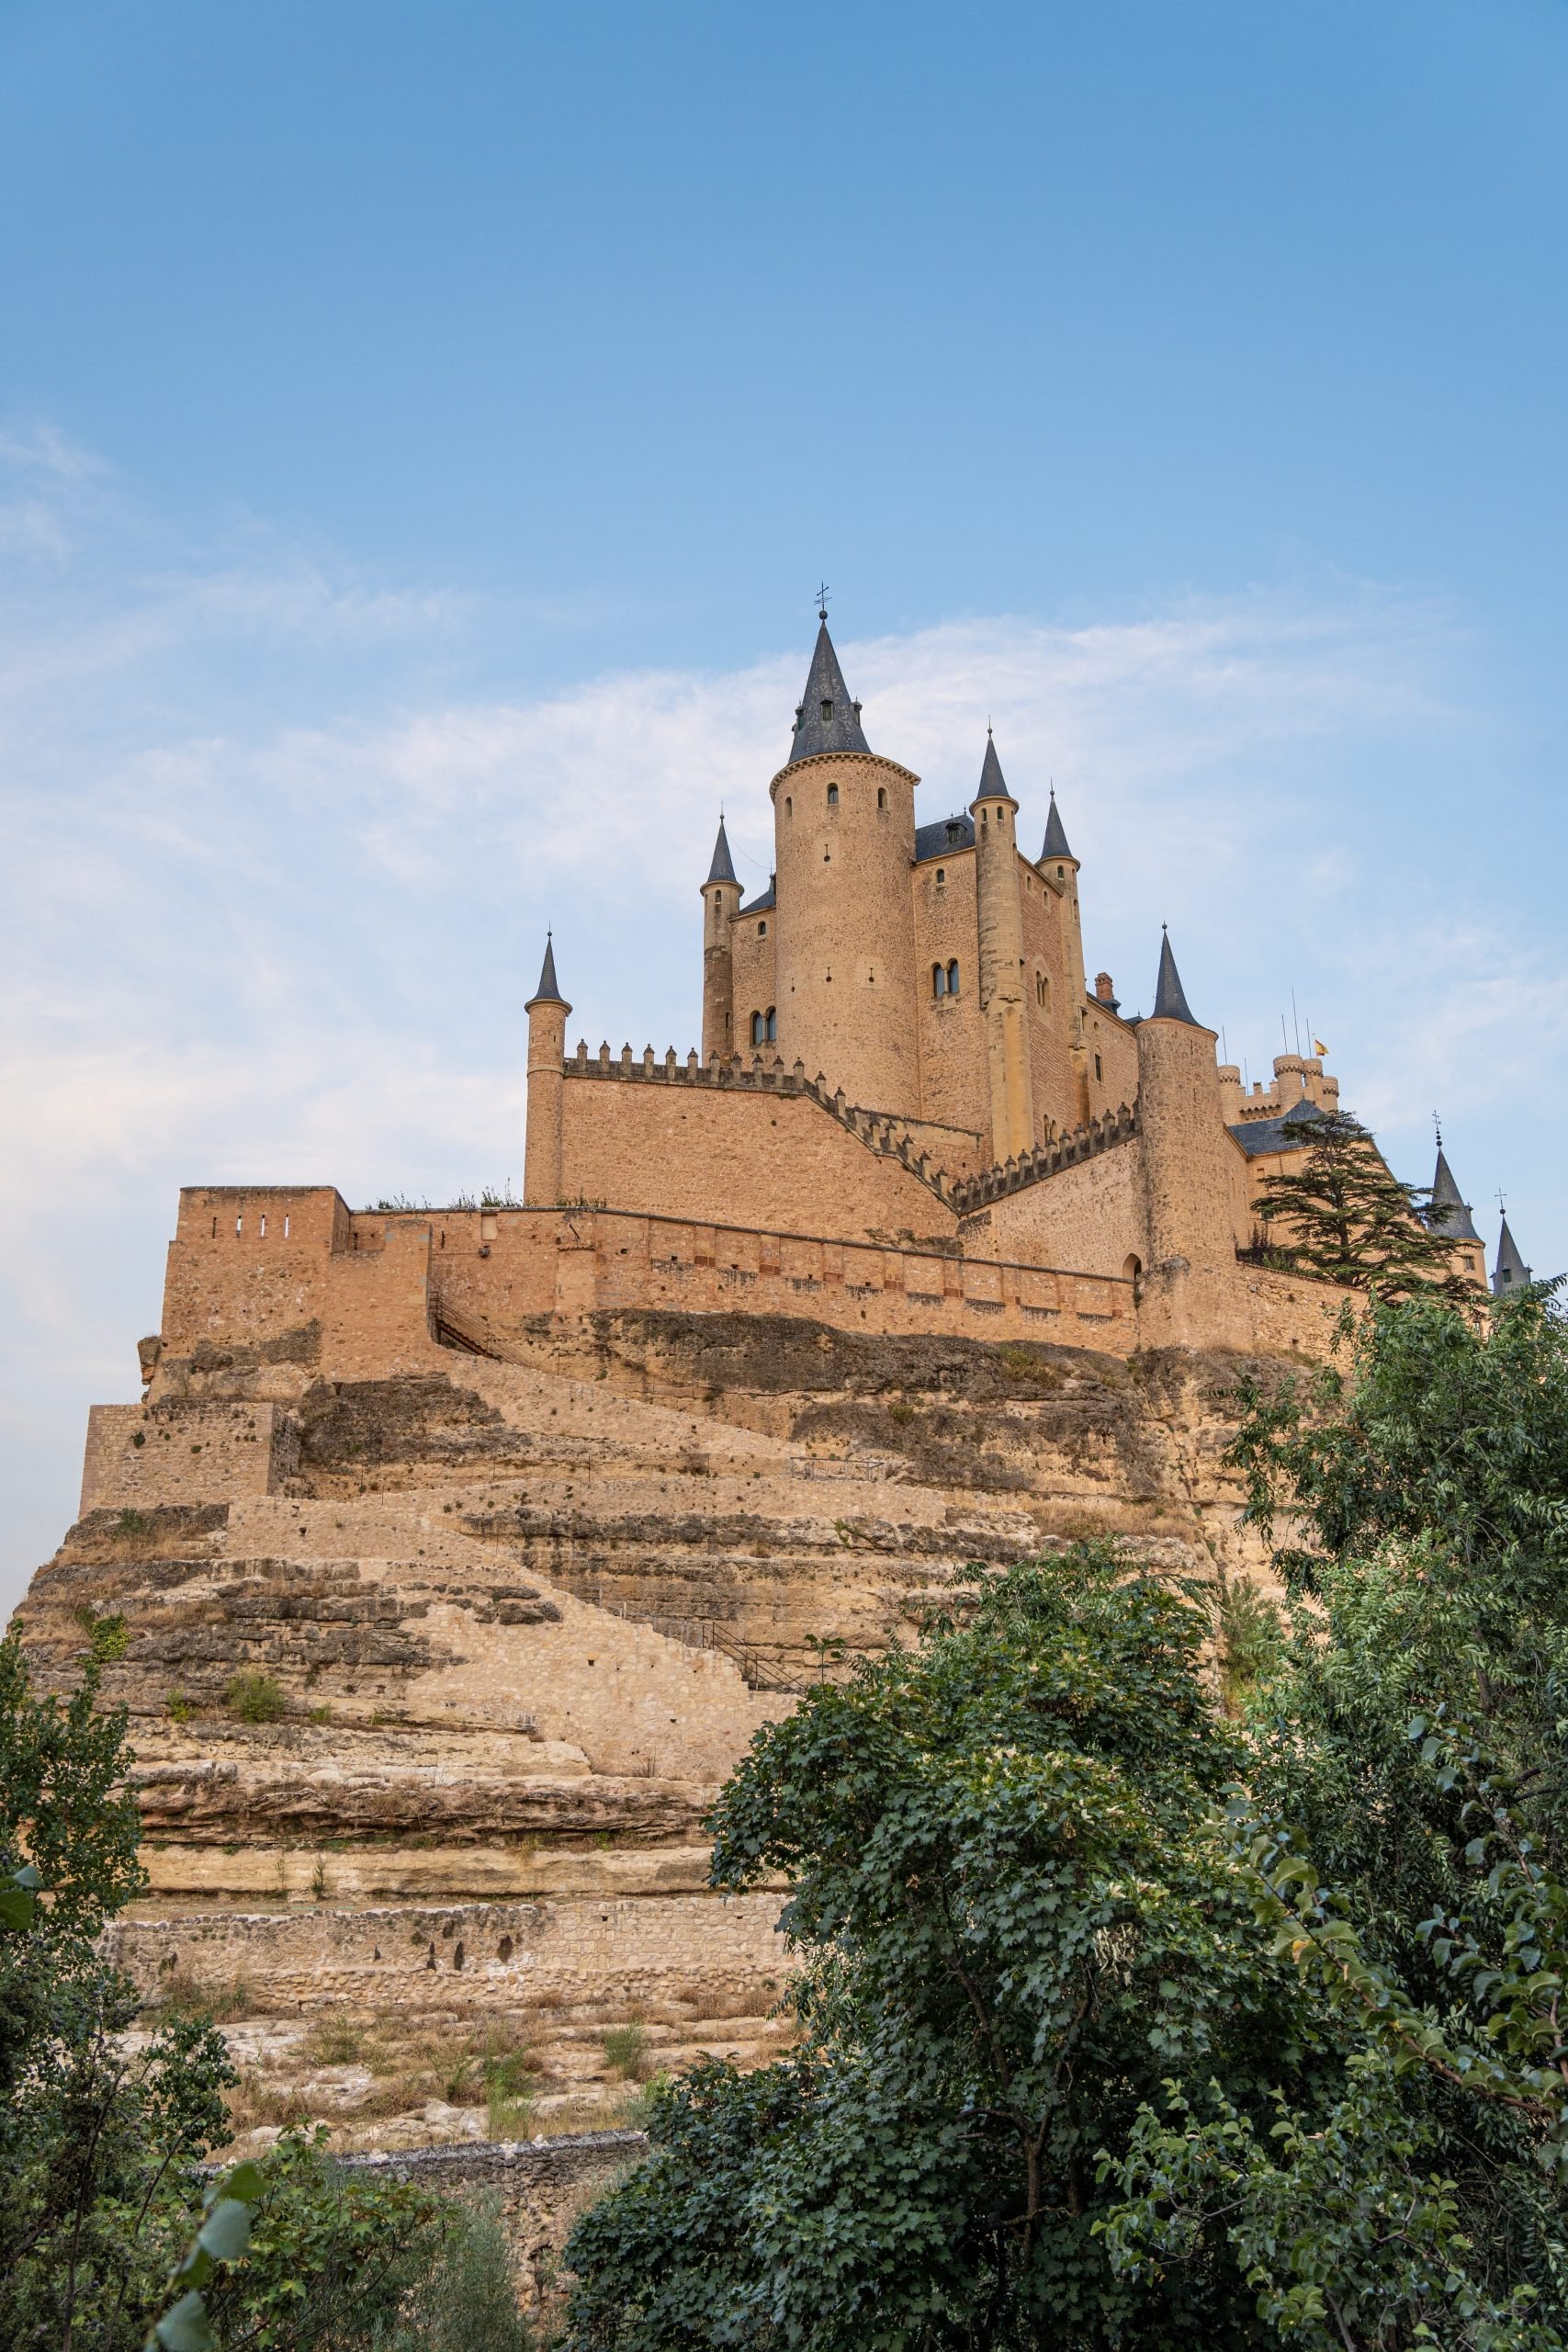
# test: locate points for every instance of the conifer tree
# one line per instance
(1344, 1216)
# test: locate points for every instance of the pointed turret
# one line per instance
(1170, 997)
(548, 990)
(1510, 1273)
(1055, 835)
(723, 866)
(826, 718)
(993, 784)
(1449, 1212)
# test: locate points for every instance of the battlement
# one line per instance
(879, 1131)
(1047, 1159)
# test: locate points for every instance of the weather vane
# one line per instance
(822, 594)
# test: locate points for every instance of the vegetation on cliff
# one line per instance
(104, 2130)
(1129, 2024)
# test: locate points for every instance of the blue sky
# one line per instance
(421, 428)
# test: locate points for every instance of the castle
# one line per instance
(451, 1557)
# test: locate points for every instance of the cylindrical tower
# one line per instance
(1000, 911)
(844, 824)
(1190, 1293)
(721, 898)
(547, 1010)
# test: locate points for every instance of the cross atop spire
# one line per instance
(823, 592)
(1170, 997)
(826, 718)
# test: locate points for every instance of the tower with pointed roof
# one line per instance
(547, 1010)
(1448, 1214)
(1001, 960)
(721, 903)
(841, 935)
(1190, 1177)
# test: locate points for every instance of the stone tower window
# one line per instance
(882, 795)
(761, 930)
(757, 1029)
(939, 980)
(832, 796)
(1098, 1071)
(1042, 990)
(770, 1026)
(1060, 873)
(953, 977)
(789, 806)
(942, 877)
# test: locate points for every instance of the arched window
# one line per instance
(761, 930)
(832, 796)
(1042, 990)
(882, 795)
(942, 877)
(939, 980)
(1098, 1071)
(789, 806)
(953, 977)
(1060, 873)
(770, 1032)
(758, 1029)
(826, 709)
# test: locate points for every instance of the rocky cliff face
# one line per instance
(425, 1733)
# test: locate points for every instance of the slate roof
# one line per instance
(826, 719)
(770, 898)
(1170, 997)
(548, 987)
(1449, 1213)
(723, 866)
(993, 784)
(1055, 836)
(1257, 1136)
(944, 839)
(1510, 1272)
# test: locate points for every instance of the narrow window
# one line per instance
(286, 1229)
(761, 930)
(827, 710)
(264, 1227)
(939, 980)
(773, 1025)
(239, 1223)
(942, 877)
(1060, 873)
(955, 832)
(1098, 1071)
(832, 796)
(756, 1028)
(789, 806)
(953, 977)
(1042, 992)
(215, 1228)
(882, 795)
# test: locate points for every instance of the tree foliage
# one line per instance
(1343, 1216)
(1127, 2024)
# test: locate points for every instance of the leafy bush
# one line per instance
(625, 2049)
(255, 1698)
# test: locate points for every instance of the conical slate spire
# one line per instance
(1449, 1213)
(1510, 1272)
(827, 720)
(993, 784)
(1170, 997)
(723, 868)
(1055, 835)
(548, 990)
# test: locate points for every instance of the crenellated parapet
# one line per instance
(1046, 1159)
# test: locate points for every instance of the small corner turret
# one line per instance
(547, 1010)
(1056, 838)
(1510, 1273)
(721, 903)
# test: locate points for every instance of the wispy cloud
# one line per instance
(273, 893)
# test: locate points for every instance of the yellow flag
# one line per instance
(1319, 1049)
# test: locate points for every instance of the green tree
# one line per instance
(1342, 1214)
(1019, 1914)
